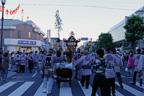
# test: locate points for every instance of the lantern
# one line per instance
(41, 35)
(1, 8)
(11, 12)
(38, 32)
(22, 10)
(27, 17)
(32, 23)
(7, 12)
(18, 7)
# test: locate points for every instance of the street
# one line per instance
(30, 84)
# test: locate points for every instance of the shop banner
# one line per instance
(26, 42)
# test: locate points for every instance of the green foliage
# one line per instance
(134, 30)
(105, 41)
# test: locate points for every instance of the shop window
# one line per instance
(29, 35)
(19, 33)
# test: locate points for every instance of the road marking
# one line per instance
(138, 85)
(88, 91)
(35, 73)
(39, 91)
(65, 90)
(118, 93)
(19, 91)
(131, 90)
(7, 85)
(122, 76)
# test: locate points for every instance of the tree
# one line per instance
(58, 23)
(134, 30)
(105, 41)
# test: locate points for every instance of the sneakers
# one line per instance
(44, 91)
(48, 92)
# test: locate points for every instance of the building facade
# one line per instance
(21, 36)
(118, 31)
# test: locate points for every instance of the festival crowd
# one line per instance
(105, 64)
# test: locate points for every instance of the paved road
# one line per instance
(30, 84)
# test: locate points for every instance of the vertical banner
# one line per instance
(49, 35)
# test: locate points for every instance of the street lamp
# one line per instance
(3, 3)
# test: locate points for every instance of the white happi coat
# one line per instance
(23, 59)
(141, 65)
(111, 59)
(84, 60)
(119, 62)
(136, 58)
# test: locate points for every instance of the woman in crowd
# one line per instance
(5, 66)
(130, 65)
(1, 57)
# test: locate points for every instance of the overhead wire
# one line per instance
(90, 6)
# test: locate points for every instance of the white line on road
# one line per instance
(65, 90)
(34, 74)
(19, 91)
(88, 91)
(5, 86)
(138, 85)
(39, 91)
(131, 90)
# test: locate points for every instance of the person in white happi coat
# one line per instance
(35, 61)
(118, 66)
(136, 58)
(17, 61)
(141, 66)
(76, 56)
(23, 59)
(110, 72)
(85, 62)
(47, 66)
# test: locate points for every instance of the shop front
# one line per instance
(22, 45)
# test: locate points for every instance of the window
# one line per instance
(29, 35)
(19, 33)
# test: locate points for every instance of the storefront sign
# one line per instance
(26, 42)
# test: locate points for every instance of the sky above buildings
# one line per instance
(86, 18)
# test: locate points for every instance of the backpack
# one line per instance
(48, 60)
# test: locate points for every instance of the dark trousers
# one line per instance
(134, 78)
(85, 78)
(99, 81)
(76, 73)
(22, 68)
(30, 66)
(110, 83)
(119, 77)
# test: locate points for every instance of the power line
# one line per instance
(78, 6)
